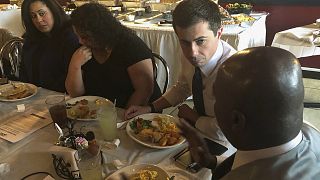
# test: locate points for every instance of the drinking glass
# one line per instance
(108, 122)
(57, 108)
(90, 166)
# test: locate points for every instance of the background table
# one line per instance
(11, 20)
(298, 41)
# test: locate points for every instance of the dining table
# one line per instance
(33, 153)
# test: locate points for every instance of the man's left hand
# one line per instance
(198, 147)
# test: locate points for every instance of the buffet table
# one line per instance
(32, 155)
(300, 41)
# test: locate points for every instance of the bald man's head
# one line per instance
(259, 97)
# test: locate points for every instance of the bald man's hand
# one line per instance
(188, 114)
(198, 147)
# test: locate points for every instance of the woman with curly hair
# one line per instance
(113, 62)
(49, 43)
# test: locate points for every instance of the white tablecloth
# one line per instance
(299, 41)
(31, 154)
(11, 20)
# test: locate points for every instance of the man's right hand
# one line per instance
(134, 111)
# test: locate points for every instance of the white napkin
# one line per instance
(316, 38)
(69, 155)
(4, 169)
(300, 36)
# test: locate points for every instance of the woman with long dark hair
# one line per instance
(49, 44)
(113, 62)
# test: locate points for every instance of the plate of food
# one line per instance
(16, 91)
(155, 130)
(237, 8)
(140, 172)
(85, 108)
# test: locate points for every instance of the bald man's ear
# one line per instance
(238, 121)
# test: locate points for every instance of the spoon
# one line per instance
(59, 130)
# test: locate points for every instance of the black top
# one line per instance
(45, 61)
(111, 79)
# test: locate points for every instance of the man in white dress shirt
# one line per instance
(197, 24)
(259, 107)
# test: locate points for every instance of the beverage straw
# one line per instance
(115, 102)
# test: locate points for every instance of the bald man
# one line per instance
(259, 107)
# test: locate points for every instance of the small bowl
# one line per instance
(130, 17)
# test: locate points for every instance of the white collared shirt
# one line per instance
(182, 89)
(208, 74)
(245, 157)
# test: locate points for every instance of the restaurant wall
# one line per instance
(284, 14)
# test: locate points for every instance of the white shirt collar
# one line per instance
(210, 66)
(245, 157)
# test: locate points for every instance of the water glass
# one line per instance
(108, 122)
(57, 108)
(90, 166)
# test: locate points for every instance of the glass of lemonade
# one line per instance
(108, 122)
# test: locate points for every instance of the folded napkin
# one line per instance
(316, 38)
(4, 169)
(300, 36)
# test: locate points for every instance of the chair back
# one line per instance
(10, 58)
(161, 74)
(5, 35)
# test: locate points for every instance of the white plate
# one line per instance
(258, 13)
(91, 103)
(150, 116)
(133, 169)
(164, 24)
(7, 87)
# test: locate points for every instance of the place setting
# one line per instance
(12, 91)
